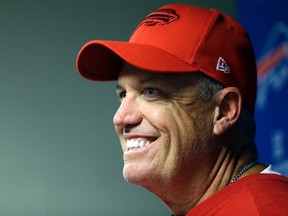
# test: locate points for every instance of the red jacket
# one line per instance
(259, 194)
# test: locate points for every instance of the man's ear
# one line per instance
(228, 109)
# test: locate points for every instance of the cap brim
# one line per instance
(102, 60)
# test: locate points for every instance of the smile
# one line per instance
(132, 144)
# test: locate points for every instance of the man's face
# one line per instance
(162, 125)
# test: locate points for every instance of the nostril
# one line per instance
(128, 128)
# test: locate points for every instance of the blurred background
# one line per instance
(59, 154)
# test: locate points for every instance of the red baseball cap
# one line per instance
(179, 38)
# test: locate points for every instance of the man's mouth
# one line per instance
(132, 144)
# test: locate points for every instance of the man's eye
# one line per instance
(151, 93)
(122, 95)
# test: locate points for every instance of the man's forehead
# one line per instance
(130, 73)
(134, 74)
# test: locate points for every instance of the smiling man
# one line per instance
(187, 84)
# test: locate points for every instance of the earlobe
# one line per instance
(228, 110)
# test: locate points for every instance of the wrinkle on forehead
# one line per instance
(175, 80)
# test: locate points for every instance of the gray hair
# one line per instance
(245, 128)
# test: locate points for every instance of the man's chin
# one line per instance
(137, 176)
(131, 175)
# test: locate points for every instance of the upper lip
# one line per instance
(140, 136)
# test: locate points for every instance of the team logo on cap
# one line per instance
(160, 17)
(222, 66)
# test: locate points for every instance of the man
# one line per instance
(187, 84)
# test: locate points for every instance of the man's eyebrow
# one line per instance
(154, 79)
(118, 86)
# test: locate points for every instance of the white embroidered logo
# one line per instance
(222, 66)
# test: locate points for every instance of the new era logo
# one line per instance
(222, 66)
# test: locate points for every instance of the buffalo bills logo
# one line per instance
(160, 17)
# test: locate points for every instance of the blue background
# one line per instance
(267, 24)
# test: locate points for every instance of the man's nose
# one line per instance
(128, 113)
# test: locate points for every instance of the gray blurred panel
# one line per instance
(59, 155)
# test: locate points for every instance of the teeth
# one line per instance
(142, 143)
(135, 143)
